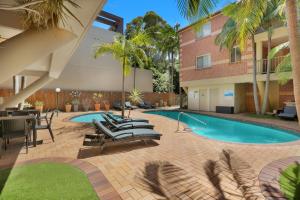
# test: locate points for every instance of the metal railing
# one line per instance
(262, 64)
(190, 116)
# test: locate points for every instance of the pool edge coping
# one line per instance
(98, 181)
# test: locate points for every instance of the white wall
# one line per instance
(84, 72)
(206, 98)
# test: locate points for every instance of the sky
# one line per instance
(167, 9)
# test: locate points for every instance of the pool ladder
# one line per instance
(190, 116)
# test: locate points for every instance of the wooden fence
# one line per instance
(50, 97)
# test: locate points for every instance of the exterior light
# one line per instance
(58, 90)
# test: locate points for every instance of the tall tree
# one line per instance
(272, 17)
(293, 22)
(169, 45)
(163, 51)
(127, 51)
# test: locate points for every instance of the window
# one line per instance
(204, 31)
(235, 55)
(203, 61)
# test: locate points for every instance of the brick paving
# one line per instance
(181, 165)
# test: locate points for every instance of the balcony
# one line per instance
(263, 64)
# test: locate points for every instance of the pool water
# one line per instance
(88, 118)
(230, 130)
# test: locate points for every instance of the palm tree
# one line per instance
(128, 52)
(169, 45)
(293, 14)
(270, 18)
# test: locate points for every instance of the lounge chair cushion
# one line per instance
(119, 120)
(135, 133)
(124, 134)
(134, 125)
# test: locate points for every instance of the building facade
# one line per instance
(214, 77)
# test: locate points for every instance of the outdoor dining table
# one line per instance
(31, 118)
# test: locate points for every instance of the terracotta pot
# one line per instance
(68, 108)
(97, 106)
(107, 106)
(40, 108)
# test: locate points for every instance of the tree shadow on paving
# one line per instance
(172, 182)
(88, 152)
(74, 129)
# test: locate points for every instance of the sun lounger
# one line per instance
(124, 126)
(106, 137)
(289, 112)
(117, 105)
(119, 120)
(146, 105)
(129, 106)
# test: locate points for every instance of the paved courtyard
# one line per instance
(182, 165)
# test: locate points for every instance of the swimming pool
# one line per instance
(88, 118)
(230, 130)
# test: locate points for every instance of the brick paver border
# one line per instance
(269, 177)
(101, 185)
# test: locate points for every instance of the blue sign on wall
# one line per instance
(228, 93)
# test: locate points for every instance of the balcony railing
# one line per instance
(263, 64)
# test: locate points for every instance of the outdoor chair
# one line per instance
(12, 109)
(129, 106)
(119, 120)
(20, 113)
(15, 129)
(47, 125)
(146, 105)
(106, 137)
(124, 126)
(117, 105)
(289, 112)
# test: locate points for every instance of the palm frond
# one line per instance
(284, 70)
(277, 49)
(50, 13)
(228, 36)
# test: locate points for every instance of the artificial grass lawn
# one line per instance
(253, 115)
(290, 182)
(45, 181)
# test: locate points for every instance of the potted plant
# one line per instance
(135, 96)
(97, 98)
(38, 105)
(68, 107)
(86, 104)
(75, 99)
(106, 105)
(75, 103)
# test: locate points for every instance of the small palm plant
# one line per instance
(127, 52)
(135, 96)
(43, 14)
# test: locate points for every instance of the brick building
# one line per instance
(213, 77)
